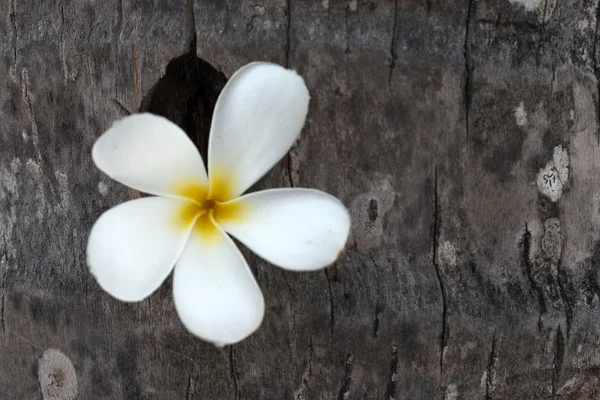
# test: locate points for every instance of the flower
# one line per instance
(133, 247)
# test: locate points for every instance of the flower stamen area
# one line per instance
(206, 207)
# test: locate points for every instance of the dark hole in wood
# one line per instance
(373, 214)
(187, 95)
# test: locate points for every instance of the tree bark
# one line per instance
(462, 135)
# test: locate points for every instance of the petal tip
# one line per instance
(219, 345)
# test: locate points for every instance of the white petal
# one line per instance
(215, 293)
(133, 247)
(151, 154)
(296, 229)
(257, 118)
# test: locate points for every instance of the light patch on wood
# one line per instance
(560, 158)
(134, 194)
(28, 101)
(552, 241)
(483, 379)
(451, 392)
(521, 115)
(447, 254)
(63, 184)
(58, 380)
(547, 9)
(294, 167)
(572, 385)
(15, 165)
(353, 5)
(9, 189)
(368, 211)
(544, 8)
(553, 177)
(35, 170)
(467, 349)
(102, 188)
(529, 5)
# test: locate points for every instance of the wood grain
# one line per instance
(442, 125)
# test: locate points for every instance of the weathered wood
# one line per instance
(462, 135)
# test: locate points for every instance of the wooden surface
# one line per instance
(462, 134)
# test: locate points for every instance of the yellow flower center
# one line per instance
(209, 206)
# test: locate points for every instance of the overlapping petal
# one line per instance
(257, 118)
(151, 154)
(133, 247)
(296, 229)
(215, 293)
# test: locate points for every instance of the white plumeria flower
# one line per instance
(134, 246)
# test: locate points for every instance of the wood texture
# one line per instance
(462, 134)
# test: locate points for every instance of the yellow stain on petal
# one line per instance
(221, 186)
(206, 230)
(186, 214)
(191, 189)
(207, 207)
(234, 212)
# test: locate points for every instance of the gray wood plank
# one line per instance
(462, 135)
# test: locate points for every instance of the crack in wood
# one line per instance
(528, 266)
(331, 309)
(300, 394)
(524, 27)
(376, 321)
(26, 95)
(541, 32)
(288, 38)
(13, 20)
(120, 12)
(63, 56)
(3, 302)
(347, 49)
(468, 67)
(191, 24)
(491, 368)
(438, 271)
(189, 394)
(290, 176)
(378, 305)
(567, 306)
(119, 23)
(27, 99)
(289, 287)
(122, 109)
(310, 356)
(4, 272)
(392, 62)
(390, 391)
(347, 379)
(596, 66)
(560, 274)
(236, 394)
(559, 355)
